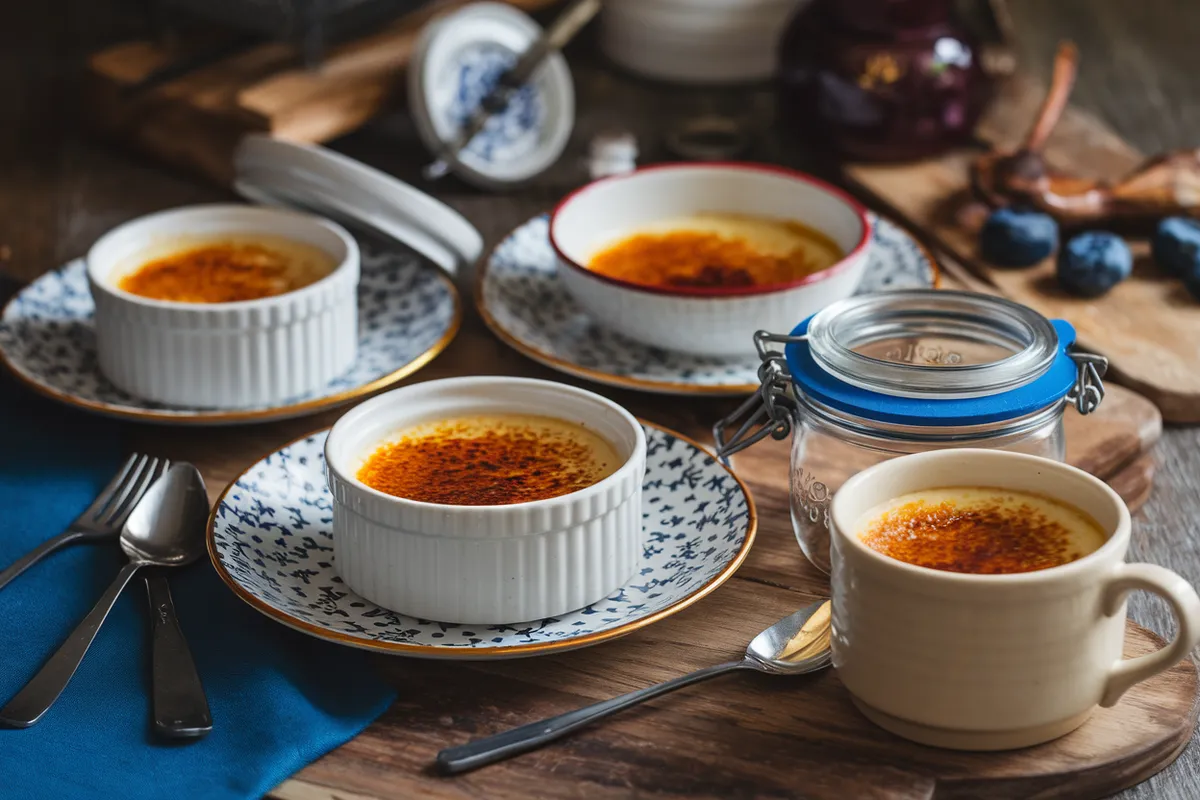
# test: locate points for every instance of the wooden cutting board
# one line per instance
(1148, 326)
(743, 736)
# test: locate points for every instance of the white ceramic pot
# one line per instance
(485, 564)
(224, 355)
(704, 321)
(991, 662)
(696, 41)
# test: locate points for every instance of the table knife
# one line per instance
(180, 705)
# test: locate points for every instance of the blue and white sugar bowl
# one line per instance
(457, 61)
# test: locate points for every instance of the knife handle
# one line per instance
(180, 705)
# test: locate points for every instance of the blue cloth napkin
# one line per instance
(279, 699)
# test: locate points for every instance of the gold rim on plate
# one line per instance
(469, 653)
(624, 381)
(201, 418)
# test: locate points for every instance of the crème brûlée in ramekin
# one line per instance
(489, 460)
(227, 269)
(225, 306)
(486, 500)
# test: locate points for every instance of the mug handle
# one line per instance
(1184, 603)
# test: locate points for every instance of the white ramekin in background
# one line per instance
(485, 564)
(224, 355)
(705, 321)
(696, 41)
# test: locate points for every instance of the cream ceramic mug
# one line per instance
(990, 662)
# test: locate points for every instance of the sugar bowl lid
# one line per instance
(457, 60)
(924, 357)
(319, 180)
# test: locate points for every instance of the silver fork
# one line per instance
(103, 519)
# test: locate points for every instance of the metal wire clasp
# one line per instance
(1088, 390)
(767, 412)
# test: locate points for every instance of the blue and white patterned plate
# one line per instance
(270, 540)
(521, 299)
(408, 313)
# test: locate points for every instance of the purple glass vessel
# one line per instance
(881, 80)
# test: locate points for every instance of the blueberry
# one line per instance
(1013, 237)
(1093, 262)
(1176, 245)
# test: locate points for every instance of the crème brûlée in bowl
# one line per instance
(486, 500)
(225, 306)
(697, 257)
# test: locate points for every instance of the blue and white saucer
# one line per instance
(521, 299)
(409, 310)
(270, 540)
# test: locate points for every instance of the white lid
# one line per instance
(330, 184)
(456, 61)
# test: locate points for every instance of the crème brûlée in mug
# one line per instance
(980, 530)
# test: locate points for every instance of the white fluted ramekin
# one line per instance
(485, 564)
(224, 355)
(704, 321)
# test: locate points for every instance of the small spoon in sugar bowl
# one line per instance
(795, 645)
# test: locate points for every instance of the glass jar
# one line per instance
(882, 375)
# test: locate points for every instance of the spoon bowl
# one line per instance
(161, 531)
(796, 644)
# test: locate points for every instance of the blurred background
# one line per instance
(1138, 67)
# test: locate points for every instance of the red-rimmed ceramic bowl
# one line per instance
(699, 320)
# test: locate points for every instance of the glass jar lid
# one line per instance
(932, 358)
(923, 358)
(922, 344)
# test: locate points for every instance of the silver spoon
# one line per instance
(180, 705)
(159, 532)
(792, 646)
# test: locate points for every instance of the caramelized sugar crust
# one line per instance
(227, 272)
(1005, 535)
(483, 461)
(735, 252)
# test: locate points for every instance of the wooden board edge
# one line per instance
(1095, 782)
(1175, 407)
(1135, 481)
(302, 789)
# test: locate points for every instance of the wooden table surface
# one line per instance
(59, 190)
